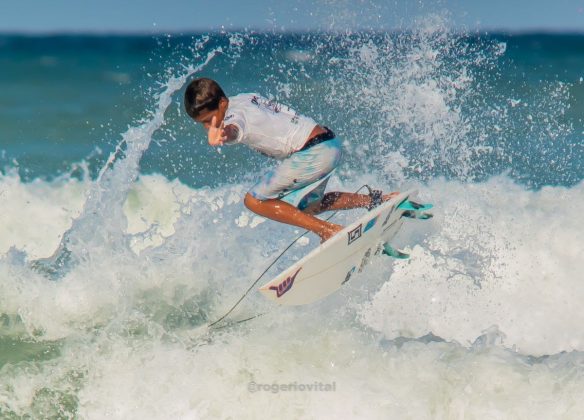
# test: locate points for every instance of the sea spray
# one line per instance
(102, 222)
(494, 275)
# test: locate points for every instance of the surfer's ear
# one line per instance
(223, 104)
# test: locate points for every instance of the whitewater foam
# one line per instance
(482, 322)
(496, 255)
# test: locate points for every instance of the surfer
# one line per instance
(308, 152)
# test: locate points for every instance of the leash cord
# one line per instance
(265, 271)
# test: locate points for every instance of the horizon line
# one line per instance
(179, 32)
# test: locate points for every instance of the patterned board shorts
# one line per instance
(302, 177)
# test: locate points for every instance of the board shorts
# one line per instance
(302, 177)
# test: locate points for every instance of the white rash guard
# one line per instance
(267, 126)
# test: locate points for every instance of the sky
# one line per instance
(183, 16)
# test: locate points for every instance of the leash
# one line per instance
(372, 194)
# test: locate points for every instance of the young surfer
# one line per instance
(292, 192)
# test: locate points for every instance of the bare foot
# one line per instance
(329, 233)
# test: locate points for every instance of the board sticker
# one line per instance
(390, 225)
(365, 260)
(349, 274)
(388, 215)
(285, 285)
(370, 224)
(355, 234)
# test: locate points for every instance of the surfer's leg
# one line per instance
(284, 192)
(283, 212)
(344, 201)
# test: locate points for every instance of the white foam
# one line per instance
(149, 377)
(495, 254)
(497, 273)
(35, 215)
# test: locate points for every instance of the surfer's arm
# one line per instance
(218, 136)
(231, 134)
(221, 134)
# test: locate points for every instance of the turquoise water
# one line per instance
(483, 321)
(67, 98)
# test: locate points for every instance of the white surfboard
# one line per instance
(328, 267)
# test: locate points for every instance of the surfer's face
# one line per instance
(206, 116)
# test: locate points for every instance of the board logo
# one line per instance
(365, 260)
(370, 224)
(285, 285)
(388, 216)
(348, 276)
(355, 234)
(390, 225)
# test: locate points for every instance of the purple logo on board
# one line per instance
(285, 285)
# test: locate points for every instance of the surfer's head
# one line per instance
(204, 99)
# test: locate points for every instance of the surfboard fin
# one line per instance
(412, 205)
(395, 253)
(417, 215)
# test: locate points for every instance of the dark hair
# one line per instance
(202, 94)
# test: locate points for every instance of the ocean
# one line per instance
(101, 168)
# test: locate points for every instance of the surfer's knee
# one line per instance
(313, 209)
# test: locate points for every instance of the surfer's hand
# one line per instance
(216, 133)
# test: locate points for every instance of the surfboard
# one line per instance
(328, 267)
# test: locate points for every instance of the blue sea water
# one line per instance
(484, 320)
(65, 97)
